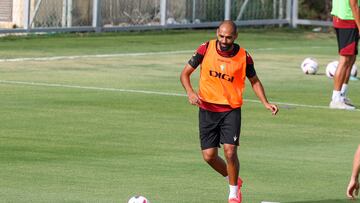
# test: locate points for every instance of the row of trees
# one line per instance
(315, 9)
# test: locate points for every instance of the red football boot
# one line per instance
(240, 182)
(234, 200)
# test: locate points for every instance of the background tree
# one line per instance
(315, 9)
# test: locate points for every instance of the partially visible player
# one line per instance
(224, 67)
(346, 20)
(353, 187)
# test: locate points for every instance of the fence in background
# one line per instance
(117, 15)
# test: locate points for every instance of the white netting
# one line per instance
(70, 13)
(130, 12)
(198, 11)
(127, 13)
(258, 9)
(60, 13)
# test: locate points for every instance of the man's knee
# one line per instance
(209, 155)
(348, 61)
(230, 152)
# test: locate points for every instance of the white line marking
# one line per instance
(92, 56)
(90, 88)
(53, 58)
(268, 202)
(143, 92)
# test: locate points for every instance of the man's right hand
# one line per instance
(194, 98)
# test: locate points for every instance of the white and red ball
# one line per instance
(331, 69)
(353, 72)
(332, 66)
(309, 66)
(138, 199)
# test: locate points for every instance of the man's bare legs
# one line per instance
(342, 75)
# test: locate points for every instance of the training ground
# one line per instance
(100, 118)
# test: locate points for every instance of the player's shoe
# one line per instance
(347, 101)
(341, 105)
(240, 182)
(234, 200)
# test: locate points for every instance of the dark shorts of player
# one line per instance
(219, 128)
(348, 39)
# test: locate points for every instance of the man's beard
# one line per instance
(225, 47)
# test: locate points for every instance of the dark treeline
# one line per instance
(315, 9)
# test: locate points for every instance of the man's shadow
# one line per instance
(329, 201)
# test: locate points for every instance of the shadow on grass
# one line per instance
(328, 201)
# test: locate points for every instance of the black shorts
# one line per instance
(219, 128)
(348, 39)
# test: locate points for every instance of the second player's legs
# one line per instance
(348, 72)
(343, 70)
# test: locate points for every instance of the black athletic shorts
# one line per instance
(348, 39)
(219, 128)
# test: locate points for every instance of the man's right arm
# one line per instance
(186, 83)
(193, 63)
(356, 12)
(198, 56)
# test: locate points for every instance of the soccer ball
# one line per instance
(332, 66)
(138, 199)
(353, 72)
(331, 69)
(309, 66)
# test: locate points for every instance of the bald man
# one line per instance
(224, 67)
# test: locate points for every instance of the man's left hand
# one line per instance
(273, 108)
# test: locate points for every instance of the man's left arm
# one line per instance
(260, 93)
(356, 12)
(353, 186)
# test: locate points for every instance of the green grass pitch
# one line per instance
(71, 130)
